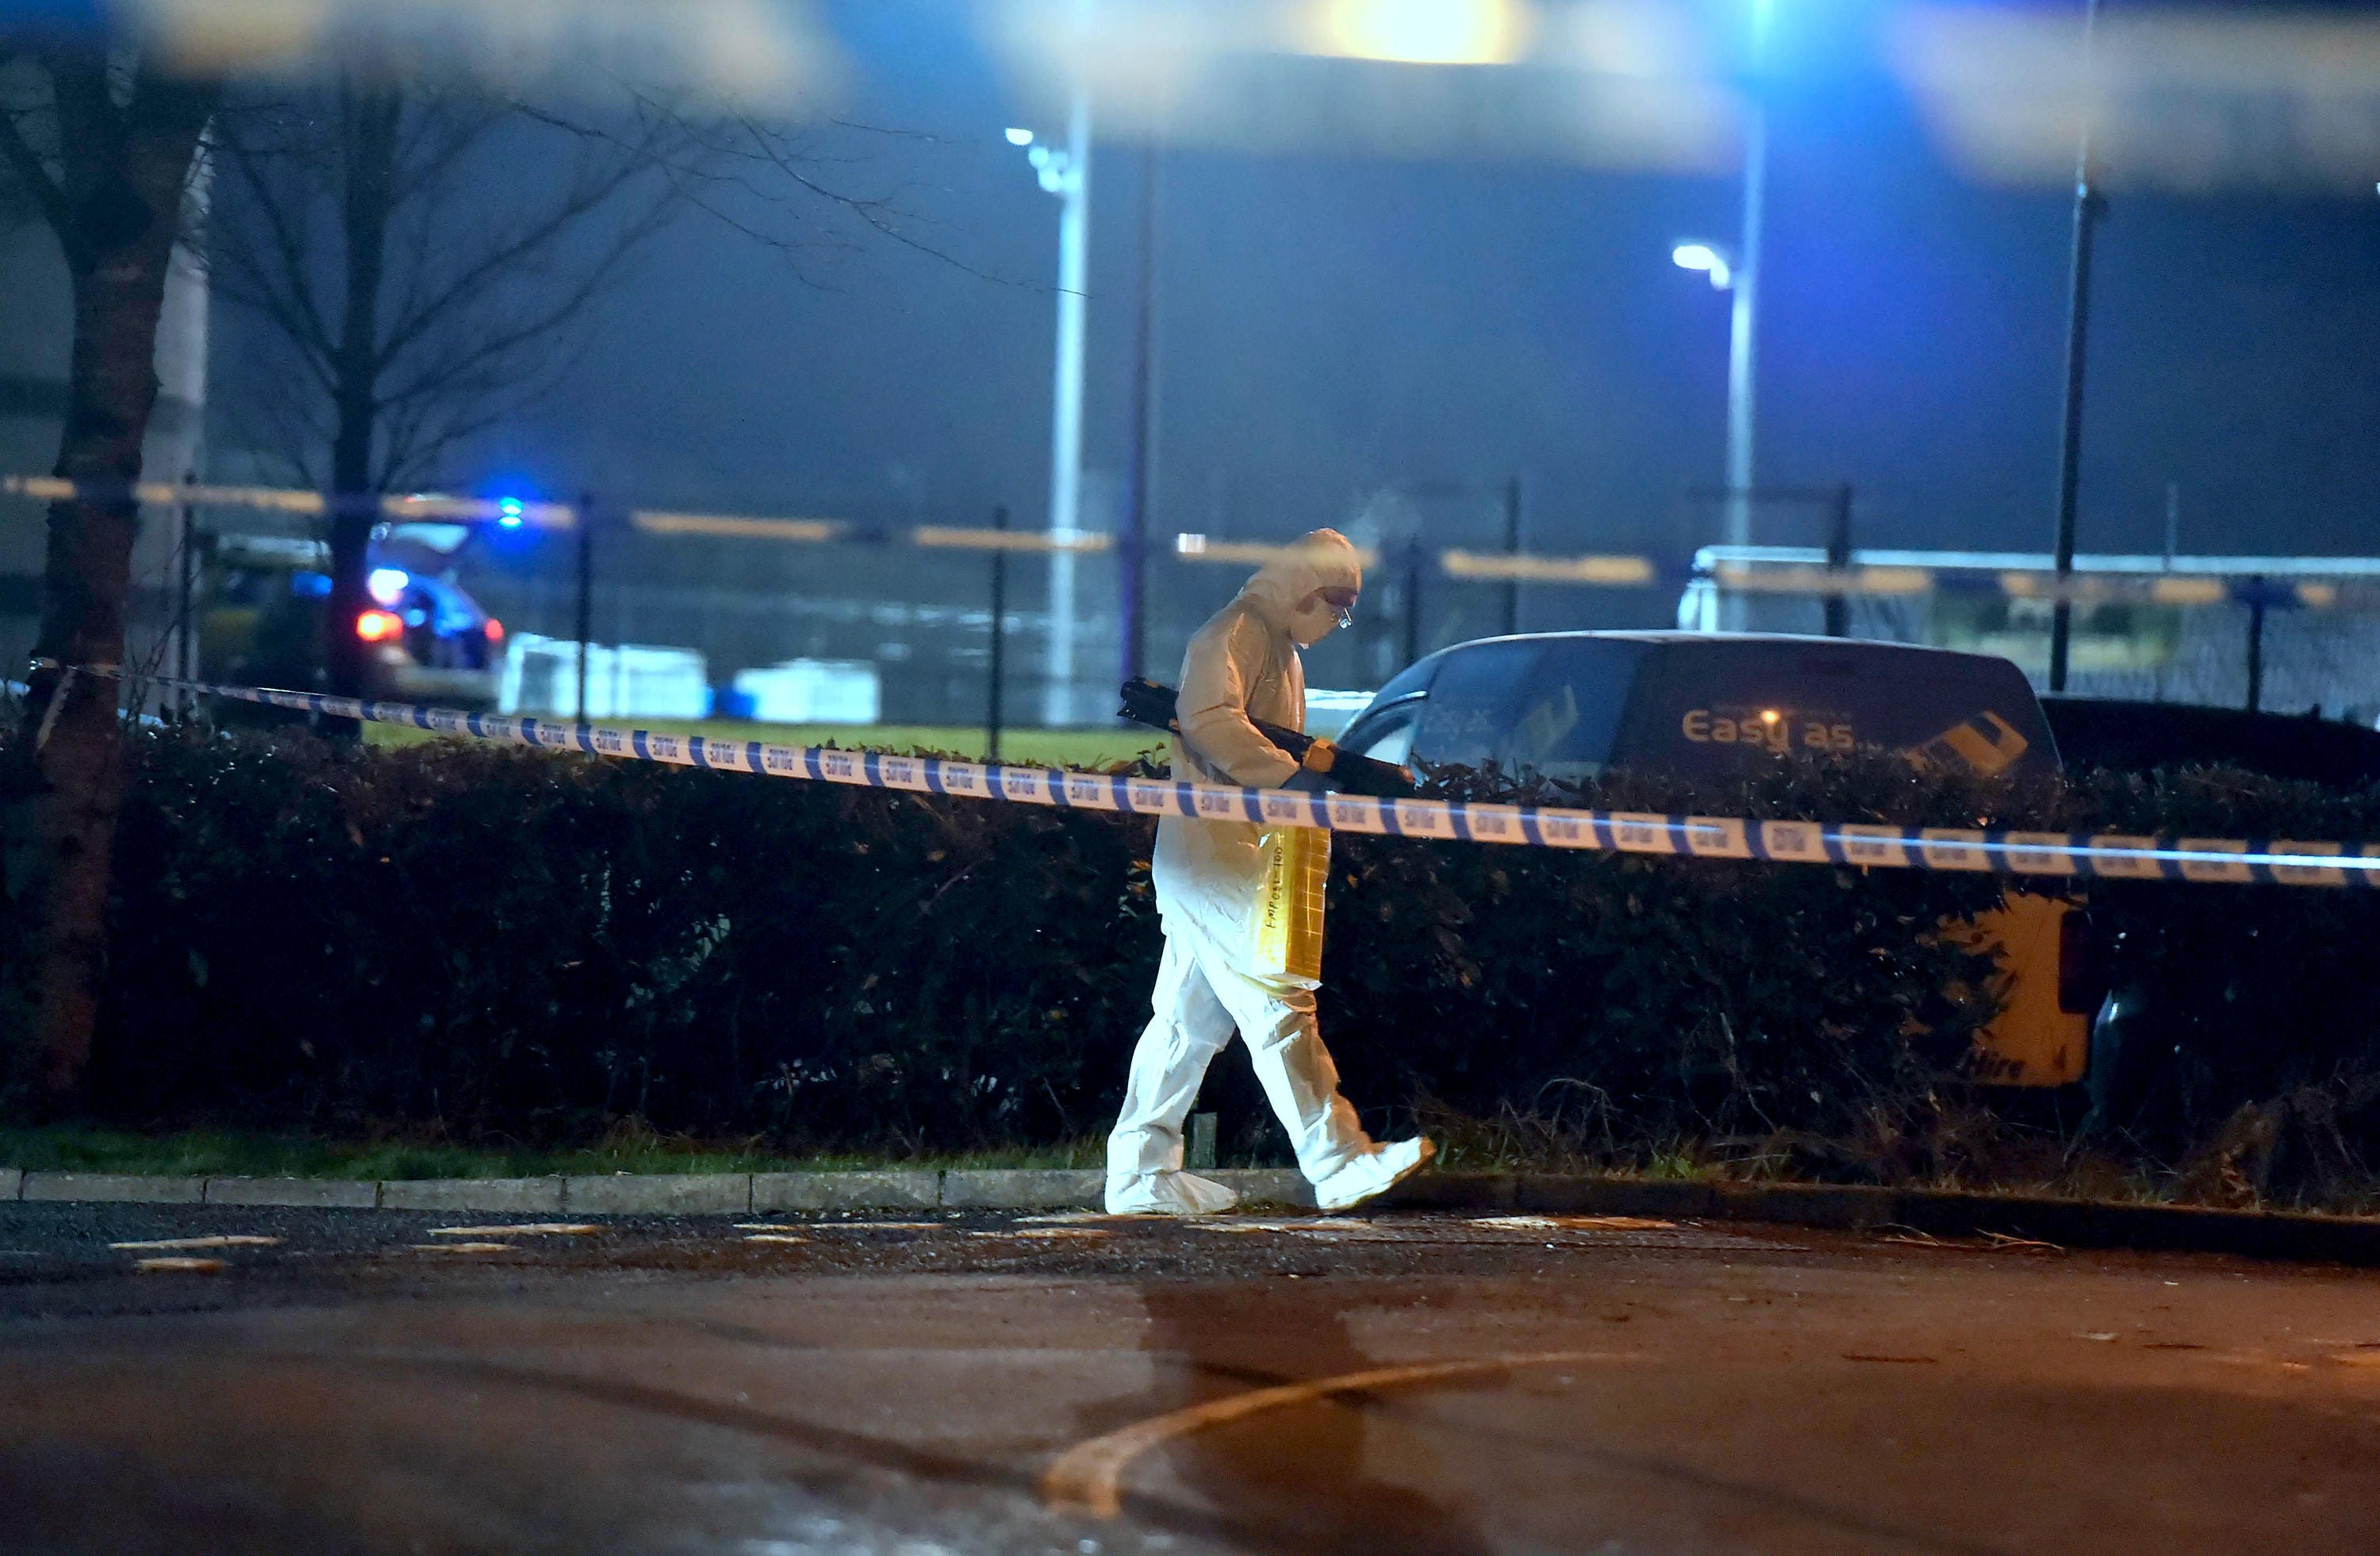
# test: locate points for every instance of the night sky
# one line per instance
(1331, 326)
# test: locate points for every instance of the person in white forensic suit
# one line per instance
(1242, 907)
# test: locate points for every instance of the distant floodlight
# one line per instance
(1424, 31)
(1705, 258)
(1017, 137)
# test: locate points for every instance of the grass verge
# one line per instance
(1049, 748)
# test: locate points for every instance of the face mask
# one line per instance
(1313, 622)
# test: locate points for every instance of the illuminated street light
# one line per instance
(1707, 258)
(1065, 173)
(1424, 31)
(1743, 317)
(1719, 265)
(1738, 272)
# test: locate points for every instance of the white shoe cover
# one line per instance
(1167, 1194)
(1373, 1172)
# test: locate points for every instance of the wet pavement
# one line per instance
(369, 1382)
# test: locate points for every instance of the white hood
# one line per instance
(1321, 559)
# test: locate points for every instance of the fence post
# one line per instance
(186, 585)
(2256, 644)
(1412, 600)
(999, 636)
(1512, 548)
(1838, 560)
(1133, 544)
(585, 628)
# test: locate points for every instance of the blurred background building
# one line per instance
(1371, 263)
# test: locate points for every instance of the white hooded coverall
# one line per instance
(1209, 876)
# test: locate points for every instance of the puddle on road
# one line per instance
(520, 1229)
(1548, 1231)
(1574, 1223)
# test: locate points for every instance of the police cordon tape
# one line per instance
(2073, 856)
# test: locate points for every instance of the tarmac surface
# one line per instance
(375, 1381)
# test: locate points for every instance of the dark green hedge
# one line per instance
(2261, 993)
(532, 945)
(527, 944)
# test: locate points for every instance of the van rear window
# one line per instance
(1546, 706)
(1471, 702)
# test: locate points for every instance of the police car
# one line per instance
(262, 601)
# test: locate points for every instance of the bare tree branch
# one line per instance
(34, 174)
(517, 251)
(476, 298)
(282, 289)
(765, 157)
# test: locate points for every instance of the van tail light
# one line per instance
(380, 626)
(2081, 971)
(495, 630)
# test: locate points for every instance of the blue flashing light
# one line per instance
(509, 512)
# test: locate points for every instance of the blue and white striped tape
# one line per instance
(2072, 855)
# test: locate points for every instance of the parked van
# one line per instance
(1568, 705)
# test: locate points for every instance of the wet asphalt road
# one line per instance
(996, 1384)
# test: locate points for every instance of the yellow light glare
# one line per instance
(1423, 31)
(1769, 715)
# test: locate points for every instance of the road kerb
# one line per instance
(659, 1194)
(846, 1191)
(2077, 1223)
(472, 1194)
(1025, 1189)
(12, 1183)
(119, 1188)
(343, 1194)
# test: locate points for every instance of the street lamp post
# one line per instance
(1133, 550)
(2089, 206)
(1743, 336)
(1067, 174)
(1740, 273)
(1725, 274)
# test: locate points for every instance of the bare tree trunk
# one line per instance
(370, 117)
(117, 208)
